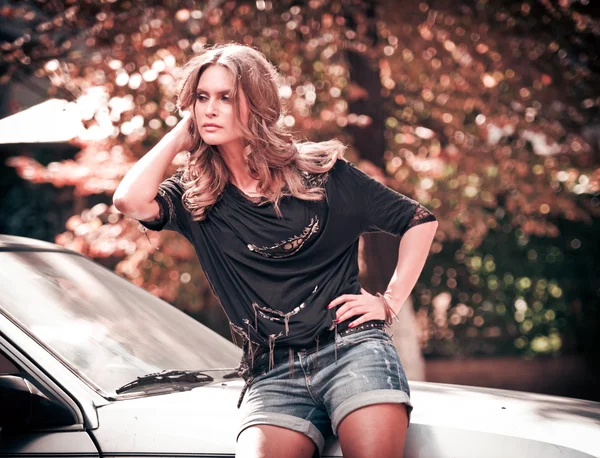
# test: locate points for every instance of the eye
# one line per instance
(200, 97)
(226, 98)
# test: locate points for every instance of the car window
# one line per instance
(43, 409)
(7, 367)
(107, 329)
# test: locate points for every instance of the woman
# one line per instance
(275, 224)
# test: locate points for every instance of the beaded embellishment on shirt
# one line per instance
(172, 212)
(277, 315)
(315, 180)
(421, 215)
(291, 245)
(161, 213)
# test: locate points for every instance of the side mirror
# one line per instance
(24, 406)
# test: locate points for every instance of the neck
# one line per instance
(233, 155)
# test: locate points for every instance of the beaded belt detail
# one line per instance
(362, 327)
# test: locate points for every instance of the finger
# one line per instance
(344, 309)
(341, 299)
(350, 313)
(362, 319)
(351, 304)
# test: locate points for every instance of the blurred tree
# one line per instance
(490, 112)
(487, 108)
(365, 101)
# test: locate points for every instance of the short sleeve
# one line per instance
(172, 214)
(381, 208)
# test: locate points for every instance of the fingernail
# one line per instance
(351, 325)
(329, 306)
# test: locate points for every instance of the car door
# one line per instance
(52, 435)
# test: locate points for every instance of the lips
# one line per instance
(210, 126)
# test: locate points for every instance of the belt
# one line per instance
(282, 353)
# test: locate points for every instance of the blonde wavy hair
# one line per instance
(273, 157)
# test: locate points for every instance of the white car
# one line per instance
(92, 365)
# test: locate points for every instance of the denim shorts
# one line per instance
(324, 390)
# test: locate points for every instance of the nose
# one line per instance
(210, 108)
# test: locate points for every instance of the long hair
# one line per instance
(273, 157)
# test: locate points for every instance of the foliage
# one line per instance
(491, 122)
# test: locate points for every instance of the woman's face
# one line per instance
(214, 105)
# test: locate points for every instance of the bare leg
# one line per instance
(376, 430)
(268, 441)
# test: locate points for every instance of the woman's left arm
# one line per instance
(412, 254)
(381, 209)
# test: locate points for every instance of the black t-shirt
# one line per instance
(275, 276)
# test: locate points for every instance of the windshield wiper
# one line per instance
(170, 376)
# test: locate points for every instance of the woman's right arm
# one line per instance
(134, 197)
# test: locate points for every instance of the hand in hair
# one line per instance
(183, 130)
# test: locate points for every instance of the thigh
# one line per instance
(375, 430)
(276, 399)
(266, 441)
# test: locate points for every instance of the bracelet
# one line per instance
(388, 311)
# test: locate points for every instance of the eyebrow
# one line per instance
(226, 91)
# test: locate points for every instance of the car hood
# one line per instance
(447, 421)
(455, 420)
(202, 420)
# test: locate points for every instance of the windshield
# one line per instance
(104, 327)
